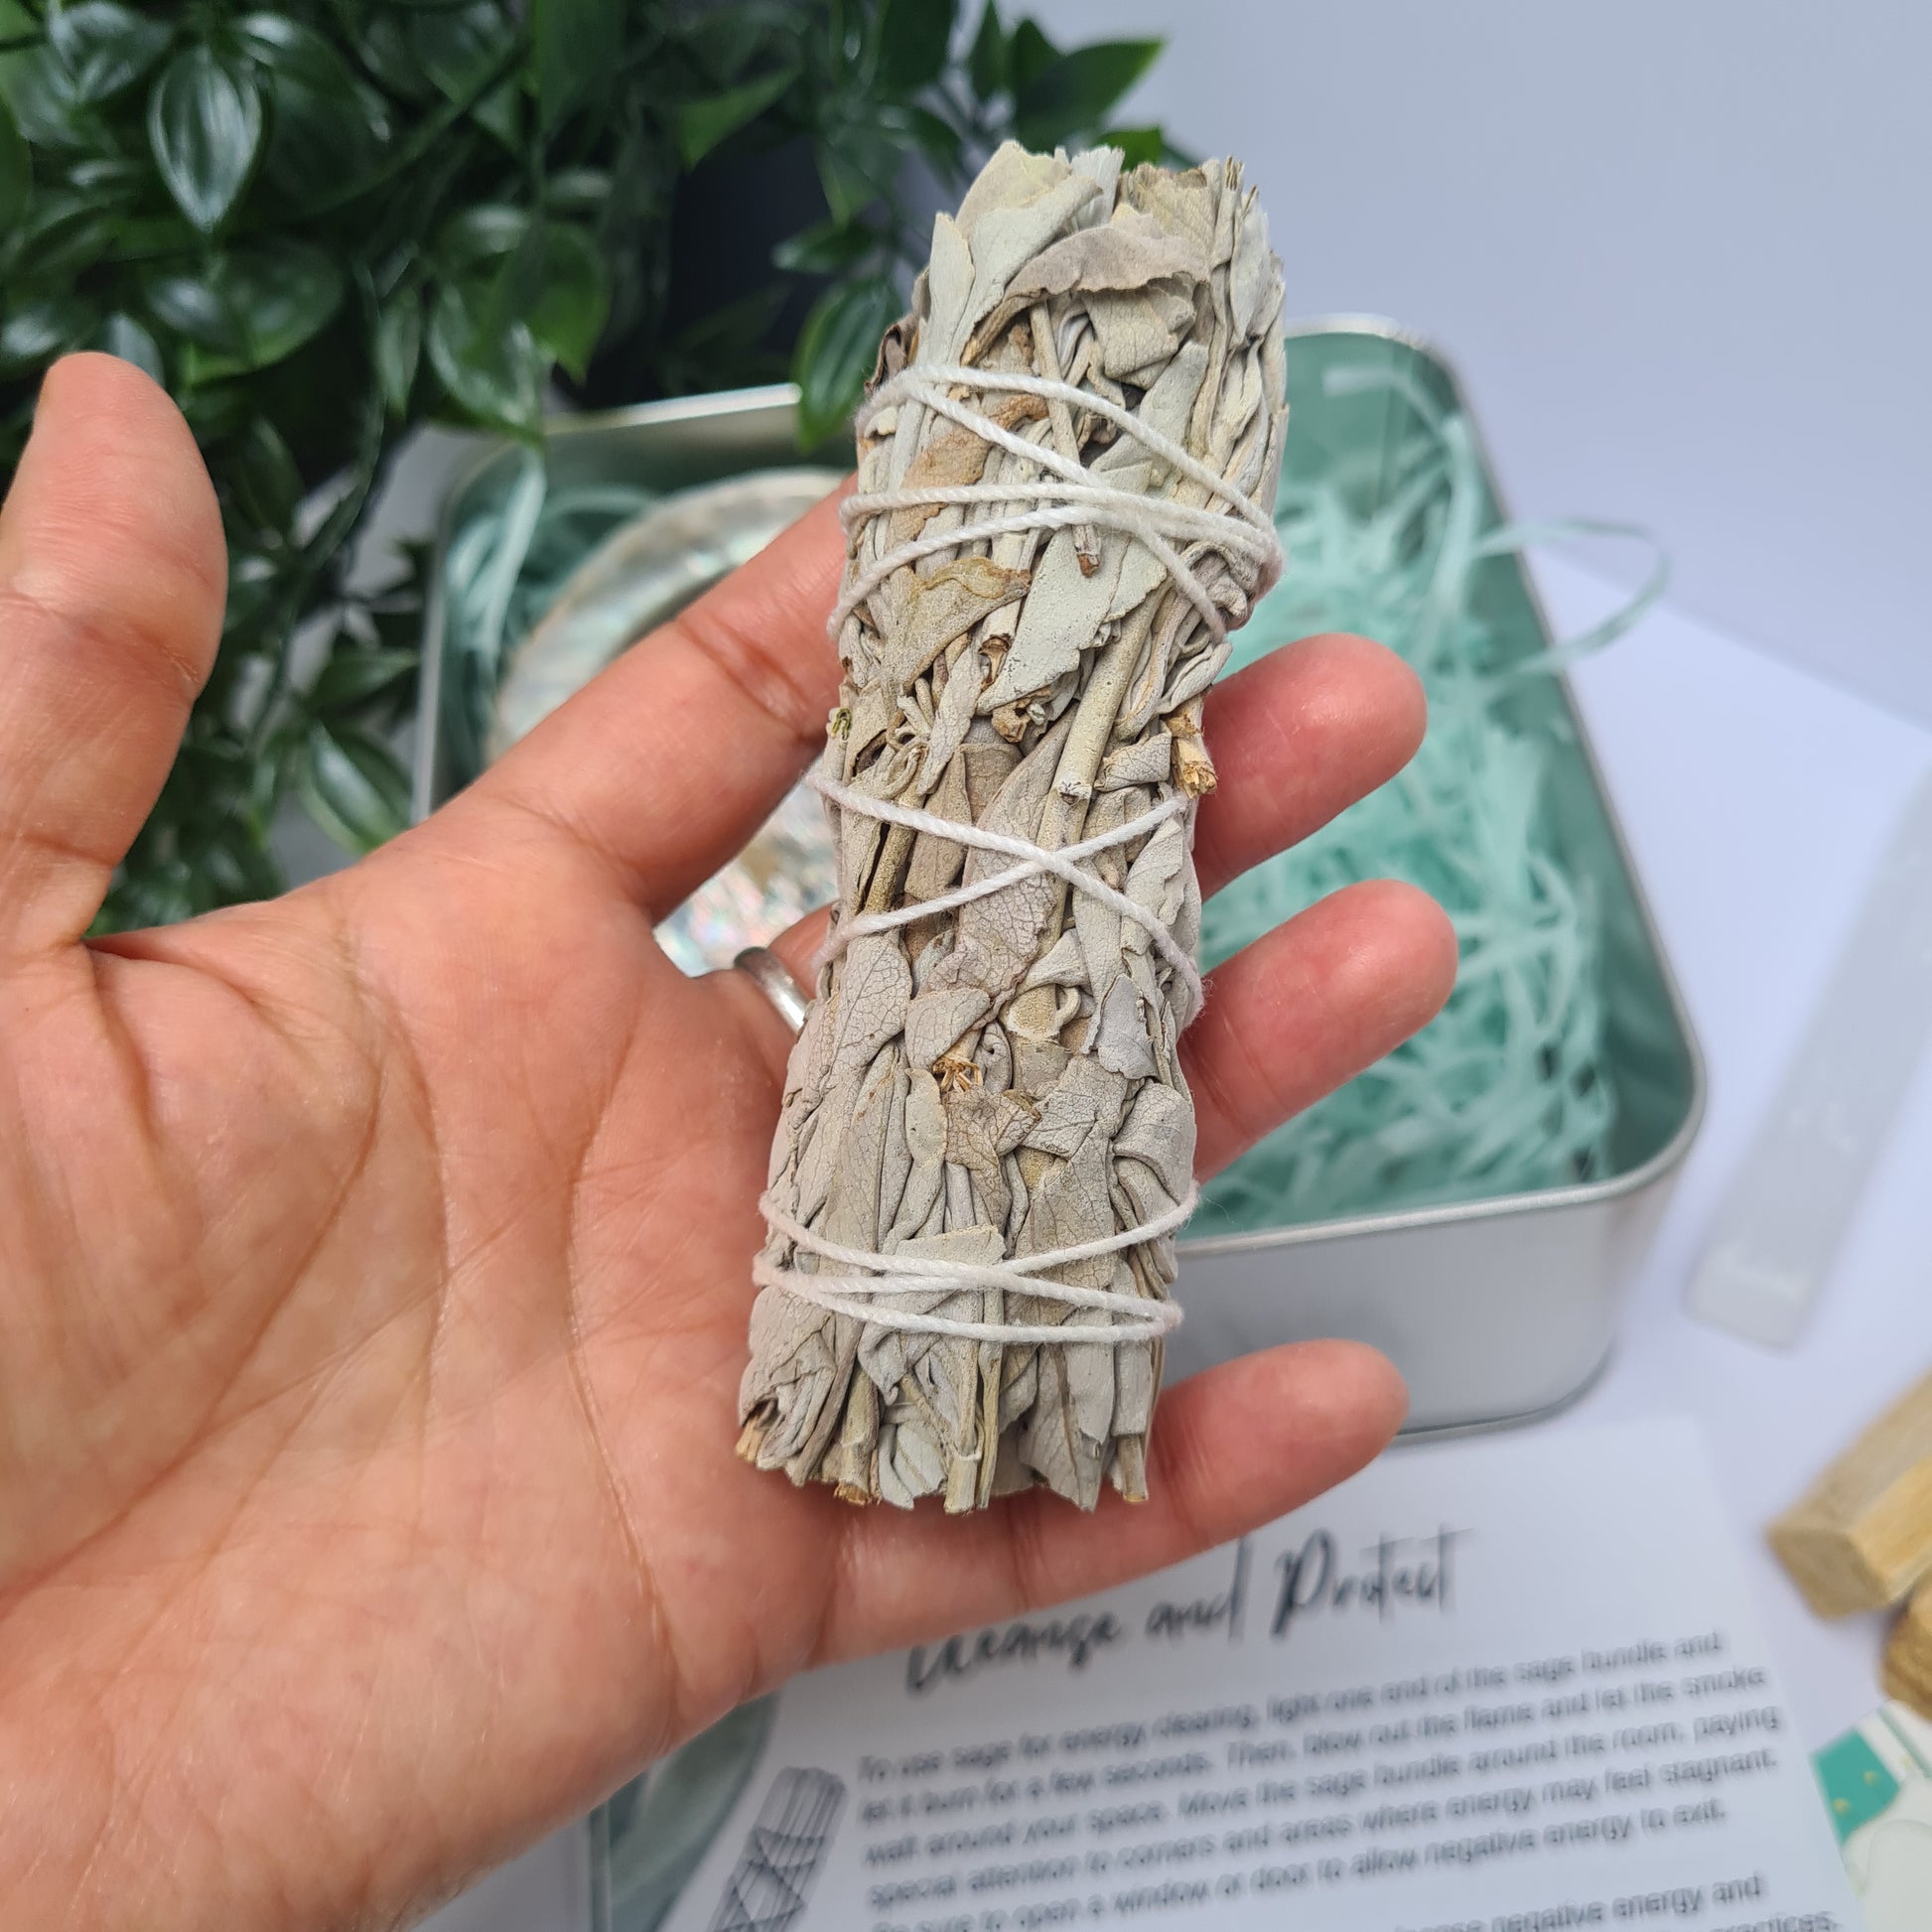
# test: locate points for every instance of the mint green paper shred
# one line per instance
(1506, 1091)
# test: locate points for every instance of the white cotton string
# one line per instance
(1136, 516)
(928, 383)
(1078, 498)
(894, 1274)
(1066, 495)
(1180, 519)
(1032, 860)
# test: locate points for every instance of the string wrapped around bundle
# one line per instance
(1066, 472)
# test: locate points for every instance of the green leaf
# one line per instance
(104, 46)
(723, 41)
(230, 862)
(579, 190)
(398, 349)
(512, 295)
(215, 412)
(579, 52)
(111, 177)
(726, 346)
(204, 125)
(316, 144)
(354, 674)
(500, 112)
(941, 142)
(254, 586)
(266, 485)
(392, 267)
(286, 47)
(459, 48)
(284, 293)
(139, 238)
(1136, 144)
(16, 171)
(702, 124)
(857, 166)
(34, 332)
(506, 267)
(122, 336)
(837, 349)
(274, 769)
(249, 306)
(383, 44)
(352, 785)
(914, 37)
(192, 306)
(1029, 52)
(573, 297)
(46, 107)
(62, 235)
(321, 132)
(825, 248)
(1074, 92)
(483, 232)
(847, 188)
(986, 65)
(492, 376)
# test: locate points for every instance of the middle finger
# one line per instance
(1296, 736)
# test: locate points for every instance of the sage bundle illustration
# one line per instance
(1067, 470)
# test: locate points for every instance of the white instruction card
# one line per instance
(1513, 1684)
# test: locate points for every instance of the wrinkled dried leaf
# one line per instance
(1000, 1079)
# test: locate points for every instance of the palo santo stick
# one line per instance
(1861, 1536)
(1065, 481)
(1908, 1672)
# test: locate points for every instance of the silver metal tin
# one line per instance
(671, 445)
(1501, 1309)
(1495, 1311)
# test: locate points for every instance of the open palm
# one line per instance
(374, 1264)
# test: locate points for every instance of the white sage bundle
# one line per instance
(1066, 472)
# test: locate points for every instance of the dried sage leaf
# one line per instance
(999, 1079)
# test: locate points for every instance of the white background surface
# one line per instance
(1677, 250)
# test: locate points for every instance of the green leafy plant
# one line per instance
(324, 225)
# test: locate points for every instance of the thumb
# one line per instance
(112, 574)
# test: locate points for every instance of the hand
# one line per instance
(374, 1264)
